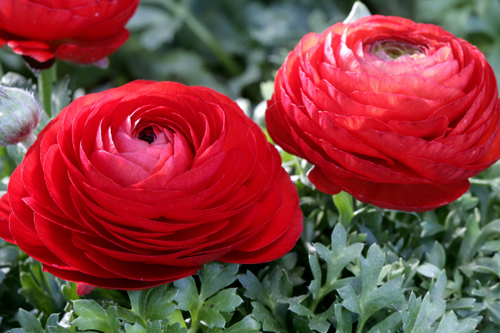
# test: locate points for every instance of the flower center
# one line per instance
(147, 134)
(389, 50)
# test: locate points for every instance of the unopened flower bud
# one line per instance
(19, 115)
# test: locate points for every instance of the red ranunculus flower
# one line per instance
(141, 185)
(82, 31)
(396, 113)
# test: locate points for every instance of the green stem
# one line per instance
(315, 302)
(322, 292)
(360, 327)
(45, 80)
(195, 322)
(203, 34)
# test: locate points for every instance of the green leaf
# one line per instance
(350, 299)
(41, 289)
(316, 283)
(300, 324)
(438, 286)
(381, 297)
(225, 301)
(8, 255)
(187, 297)
(58, 329)
(487, 231)
(428, 270)
(154, 326)
(388, 325)
(274, 287)
(437, 255)
(177, 328)
(149, 304)
(274, 290)
(269, 322)
(53, 325)
(300, 309)
(88, 308)
(450, 324)
(91, 316)
(430, 228)
(29, 322)
(370, 269)
(344, 319)
(69, 292)
(215, 276)
(487, 265)
(159, 305)
(246, 325)
(336, 259)
(371, 298)
(253, 288)
(471, 236)
(420, 315)
(319, 325)
(136, 328)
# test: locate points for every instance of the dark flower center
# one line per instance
(147, 134)
(389, 49)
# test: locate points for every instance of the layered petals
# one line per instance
(78, 31)
(397, 113)
(141, 185)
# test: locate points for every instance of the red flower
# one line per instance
(396, 113)
(141, 185)
(81, 31)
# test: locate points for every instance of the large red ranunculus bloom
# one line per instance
(141, 185)
(82, 31)
(396, 113)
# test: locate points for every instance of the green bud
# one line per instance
(19, 115)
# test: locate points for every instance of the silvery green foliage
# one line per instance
(401, 281)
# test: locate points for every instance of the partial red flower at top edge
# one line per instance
(140, 185)
(398, 114)
(81, 31)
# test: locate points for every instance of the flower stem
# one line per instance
(45, 80)
(315, 303)
(203, 34)
(195, 322)
(361, 324)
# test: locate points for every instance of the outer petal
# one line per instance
(4, 219)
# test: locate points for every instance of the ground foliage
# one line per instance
(356, 268)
